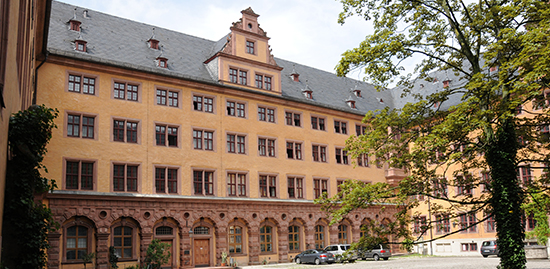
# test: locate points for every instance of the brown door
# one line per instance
(202, 251)
(171, 250)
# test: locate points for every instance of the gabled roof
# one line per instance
(121, 42)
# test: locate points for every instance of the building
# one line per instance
(210, 146)
(23, 34)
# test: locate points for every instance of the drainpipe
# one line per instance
(44, 47)
(36, 78)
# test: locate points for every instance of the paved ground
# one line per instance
(413, 262)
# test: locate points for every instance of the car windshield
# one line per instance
(487, 243)
(345, 247)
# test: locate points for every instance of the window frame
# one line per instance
(270, 150)
(292, 184)
(203, 103)
(236, 146)
(79, 174)
(266, 116)
(341, 127)
(320, 185)
(271, 234)
(81, 125)
(82, 76)
(360, 129)
(317, 125)
(212, 184)
(344, 157)
(241, 181)
(126, 83)
(203, 139)
(297, 152)
(167, 98)
(125, 176)
(250, 47)
(242, 226)
(125, 130)
(291, 121)
(322, 153)
(166, 141)
(272, 183)
(167, 169)
(134, 236)
(89, 238)
(295, 242)
(239, 109)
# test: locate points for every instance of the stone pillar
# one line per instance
(309, 233)
(282, 236)
(53, 251)
(221, 242)
(254, 244)
(333, 234)
(146, 238)
(102, 252)
(185, 248)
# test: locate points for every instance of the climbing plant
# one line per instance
(27, 220)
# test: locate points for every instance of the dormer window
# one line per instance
(250, 47)
(357, 92)
(154, 44)
(74, 25)
(80, 45)
(308, 95)
(162, 62)
(446, 83)
(351, 104)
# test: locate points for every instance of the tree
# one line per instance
(499, 51)
(157, 254)
(26, 221)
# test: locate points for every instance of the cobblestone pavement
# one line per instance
(410, 262)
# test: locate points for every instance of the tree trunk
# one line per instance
(507, 196)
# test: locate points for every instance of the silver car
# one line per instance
(315, 256)
(341, 252)
(380, 251)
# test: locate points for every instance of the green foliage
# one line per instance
(157, 254)
(113, 258)
(26, 222)
(88, 258)
(478, 132)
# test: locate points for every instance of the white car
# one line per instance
(339, 250)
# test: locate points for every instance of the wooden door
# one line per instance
(172, 253)
(202, 252)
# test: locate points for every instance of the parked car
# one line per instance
(489, 248)
(341, 252)
(377, 252)
(316, 256)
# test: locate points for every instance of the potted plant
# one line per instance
(224, 258)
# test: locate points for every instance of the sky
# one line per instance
(302, 31)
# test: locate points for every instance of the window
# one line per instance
(125, 177)
(266, 239)
(78, 122)
(442, 224)
(342, 234)
(236, 109)
(420, 225)
(236, 144)
(524, 174)
(236, 184)
(233, 75)
(293, 238)
(74, 25)
(531, 222)
(79, 175)
(491, 224)
(80, 45)
(122, 241)
(266, 114)
(203, 139)
(77, 243)
(363, 160)
(166, 180)
(242, 77)
(266, 147)
(319, 237)
(295, 187)
(318, 123)
(235, 240)
(267, 83)
(320, 186)
(162, 62)
(203, 182)
(203, 103)
(259, 81)
(319, 153)
(469, 247)
(440, 187)
(340, 127)
(294, 150)
(81, 83)
(464, 185)
(167, 98)
(466, 220)
(293, 119)
(341, 156)
(360, 130)
(250, 47)
(126, 91)
(125, 131)
(166, 135)
(268, 186)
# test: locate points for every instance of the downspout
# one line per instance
(44, 47)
